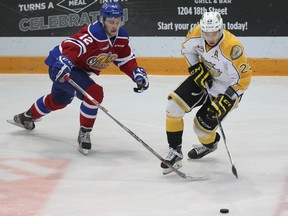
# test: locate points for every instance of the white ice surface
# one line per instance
(120, 177)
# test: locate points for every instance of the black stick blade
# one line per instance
(234, 171)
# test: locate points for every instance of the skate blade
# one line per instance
(20, 125)
(14, 123)
(83, 151)
(169, 170)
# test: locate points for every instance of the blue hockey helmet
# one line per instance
(111, 10)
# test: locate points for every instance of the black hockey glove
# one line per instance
(222, 104)
(200, 75)
(141, 79)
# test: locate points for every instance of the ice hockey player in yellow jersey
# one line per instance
(217, 66)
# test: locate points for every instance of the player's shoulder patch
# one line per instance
(236, 52)
(123, 33)
(97, 31)
(231, 46)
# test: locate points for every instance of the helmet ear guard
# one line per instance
(211, 22)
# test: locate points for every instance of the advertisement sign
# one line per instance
(28, 18)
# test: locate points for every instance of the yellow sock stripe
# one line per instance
(208, 140)
(174, 123)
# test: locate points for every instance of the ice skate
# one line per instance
(23, 120)
(200, 151)
(84, 140)
(174, 158)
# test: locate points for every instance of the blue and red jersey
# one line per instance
(91, 50)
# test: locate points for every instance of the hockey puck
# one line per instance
(224, 211)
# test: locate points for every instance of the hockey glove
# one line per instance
(141, 79)
(222, 104)
(200, 75)
(61, 69)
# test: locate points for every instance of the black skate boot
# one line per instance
(84, 140)
(200, 151)
(174, 158)
(24, 120)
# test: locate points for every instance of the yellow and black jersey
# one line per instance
(226, 61)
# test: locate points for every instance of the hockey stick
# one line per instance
(234, 170)
(181, 174)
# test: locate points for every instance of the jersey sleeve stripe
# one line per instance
(121, 61)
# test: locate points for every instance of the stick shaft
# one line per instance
(82, 91)
(234, 170)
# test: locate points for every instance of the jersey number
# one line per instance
(245, 68)
(86, 39)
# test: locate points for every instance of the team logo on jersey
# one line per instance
(236, 52)
(211, 67)
(101, 61)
